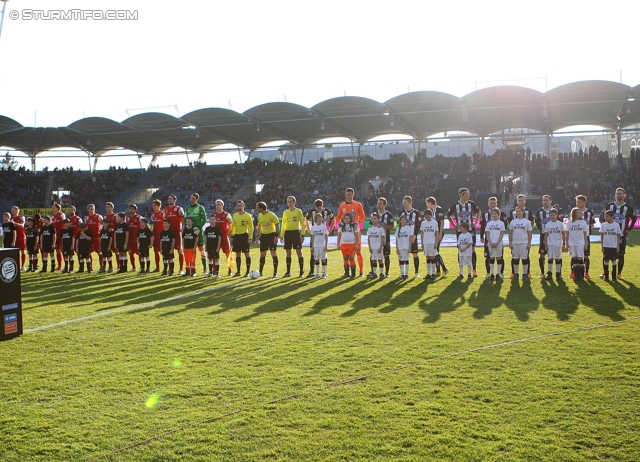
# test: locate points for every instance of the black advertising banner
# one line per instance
(10, 294)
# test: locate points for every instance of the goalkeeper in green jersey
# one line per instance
(198, 214)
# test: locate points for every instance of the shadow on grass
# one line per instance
(557, 298)
(372, 299)
(628, 291)
(486, 299)
(235, 294)
(521, 300)
(592, 296)
(408, 297)
(203, 293)
(446, 301)
(339, 298)
(297, 296)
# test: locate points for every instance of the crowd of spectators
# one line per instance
(22, 186)
(98, 187)
(592, 173)
(209, 181)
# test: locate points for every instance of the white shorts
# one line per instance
(519, 251)
(495, 252)
(403, 254)
(464, 260)
(375, 255)
(319, 253)
(577, 251)
(554, 252)
(430, 250)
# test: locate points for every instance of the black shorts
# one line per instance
(47, 249)
(240, 243)
(32, 251)
(473, 236)
(587, 252)
(67, 252)
(268, 242)
(167, 255)
(84, 254)
(106, 254)
(292, 240)
(414, 246)
(623, 244)
(120, 248)
(543, 247)
(609, 254)
(386, 250)
(144, 251)
(213, 254)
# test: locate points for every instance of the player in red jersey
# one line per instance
(174, 213)
(157, 220)
(21, 237)
(74, 221)
(223, 221)
(110, 216)
(93, 221)
(57, 221)
(355, 209)
(133, 220)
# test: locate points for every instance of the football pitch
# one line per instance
(150, 368)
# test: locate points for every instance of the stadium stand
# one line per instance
(592, 173)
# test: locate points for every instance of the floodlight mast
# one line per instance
(4, 7)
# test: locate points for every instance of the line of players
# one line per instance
(178, 229)
(617, 220)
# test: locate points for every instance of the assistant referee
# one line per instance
(242, 232)
(292, 233)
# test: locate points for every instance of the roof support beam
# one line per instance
(274, 130)
(335, 125)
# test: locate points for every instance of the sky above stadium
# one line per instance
(196, 54)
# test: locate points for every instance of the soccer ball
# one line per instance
(255, 274)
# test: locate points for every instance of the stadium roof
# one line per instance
(417, 114)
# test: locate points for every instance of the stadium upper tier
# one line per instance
(417, 114)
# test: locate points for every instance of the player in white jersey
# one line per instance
(577, 237)
(319, 241)
(405, 236)
(610, 236)
(494, 232)
(520, 232)
(465, 250)
(430, 233)
(376, 237)
(487, 218)
(554, 241)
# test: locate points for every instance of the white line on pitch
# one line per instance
(133, 307)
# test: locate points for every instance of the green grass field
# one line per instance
(196, 364)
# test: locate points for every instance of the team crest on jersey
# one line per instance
(295, 218)
(344, 210)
